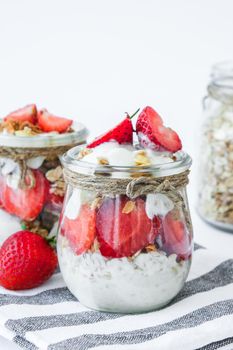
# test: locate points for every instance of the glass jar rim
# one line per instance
(222, 89)
(79, 135)
(69, 160)
(222, 69)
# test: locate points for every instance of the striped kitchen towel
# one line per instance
(200, 317)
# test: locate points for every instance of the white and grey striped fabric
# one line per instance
(200, 317)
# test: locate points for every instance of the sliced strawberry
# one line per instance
(153, 134)
(81, 231)
(25, 114)
(167, 138)
(49, 122)
(122, 133)
(122, 232)
(176, 238)
(26, 203)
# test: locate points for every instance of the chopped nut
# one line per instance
(141, 159)
(96, 203)
(35, 226)
(64, 243)
(128, 207)
(151, 248)
(24, 132)
(84, 152)
(103, 161)
(58, 191)
(54, 174)
(95, 246)
(20, 128)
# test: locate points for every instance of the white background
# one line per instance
(94, 60)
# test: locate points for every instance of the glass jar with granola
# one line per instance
(125, 234)
(31, 182)
(215, 203)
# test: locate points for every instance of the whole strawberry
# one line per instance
(26, 261)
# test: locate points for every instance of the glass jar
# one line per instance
(31, 181)
(215, 201)
(115, 254)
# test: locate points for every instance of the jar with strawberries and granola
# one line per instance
(31, 181)
(125, 233)
(215, 201)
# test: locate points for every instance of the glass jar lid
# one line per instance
(222, 69)
(222, 89)
(70, 160)
(52, 139)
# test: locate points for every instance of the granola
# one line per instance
(216, 172)
(20, 128)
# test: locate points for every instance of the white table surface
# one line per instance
(94, 60)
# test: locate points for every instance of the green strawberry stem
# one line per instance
(52, 241)
(131, 116)
(23, 225)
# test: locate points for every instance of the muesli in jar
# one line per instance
(215, 202)
(125, 234)
(31, 182)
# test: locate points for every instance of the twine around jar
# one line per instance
(20, 155)
(133, 187)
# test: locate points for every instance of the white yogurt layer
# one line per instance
(125, 155)
(76, 200)
(158, 204)
(147, 282)
(9, 225)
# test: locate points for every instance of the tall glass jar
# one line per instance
(31, 181)
(215, 203)
(115, 254)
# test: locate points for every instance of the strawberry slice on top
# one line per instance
(49, 122)
(25, 114)
(153, 134)
(122, 133)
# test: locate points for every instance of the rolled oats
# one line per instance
(54, 175)
(216, 170)
(84, 152)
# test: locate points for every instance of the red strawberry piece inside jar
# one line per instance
(80, 232)
(123, 227)
(26, 203)
(175, 236)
